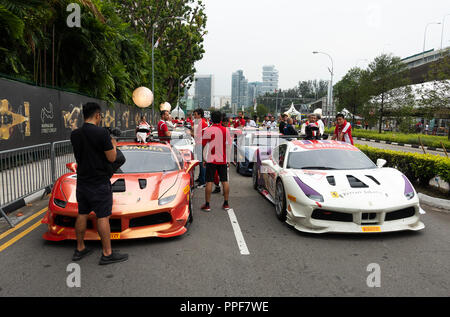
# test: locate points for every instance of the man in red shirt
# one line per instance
(240, 121)
(217, 139)
(163, 130)
(343, 130)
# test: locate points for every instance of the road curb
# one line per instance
(430, 148)
(435, 202)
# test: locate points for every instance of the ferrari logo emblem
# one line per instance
(334, 195)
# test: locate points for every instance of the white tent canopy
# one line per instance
(292, 111)
(177, 112)
(348, 114)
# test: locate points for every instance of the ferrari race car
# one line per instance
(152, 195)
(331, 186)
(181, 139)
(249, 145)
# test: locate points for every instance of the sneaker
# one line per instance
(115, 257)
(216, 190)
(226, 207)
(78, 255)
(206, 208)
(201, 185)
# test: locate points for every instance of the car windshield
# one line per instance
(330, 159)
(147, 159)
(272, 141)
(180, 142)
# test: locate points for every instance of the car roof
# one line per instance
(143, 144)
(313, 145)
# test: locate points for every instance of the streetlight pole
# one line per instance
(330, 97)
(425, 38)
(153, 59)
(442, 33)
(178, 96)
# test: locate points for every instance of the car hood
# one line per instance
(382, 187)
(131, 192)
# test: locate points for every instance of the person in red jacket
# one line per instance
(343, 130)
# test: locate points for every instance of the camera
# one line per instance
(114, 131)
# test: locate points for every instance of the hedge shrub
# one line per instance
(427, 140)
(417, 167)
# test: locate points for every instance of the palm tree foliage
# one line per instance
(108, 57)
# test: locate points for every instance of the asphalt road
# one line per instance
(207, 261)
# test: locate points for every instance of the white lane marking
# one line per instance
(238, 233)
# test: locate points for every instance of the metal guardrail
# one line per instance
(28, 170)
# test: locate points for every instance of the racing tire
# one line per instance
(238, 167)
(255, 179)
(191, 217)
(280, 201)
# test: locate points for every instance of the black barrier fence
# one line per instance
(32, 115)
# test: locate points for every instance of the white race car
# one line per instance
(331, 186)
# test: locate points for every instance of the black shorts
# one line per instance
(211, 169)
(96, 198)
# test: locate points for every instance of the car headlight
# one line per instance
(309, 192)
(166, 200)
(60, 203)
(409, 190)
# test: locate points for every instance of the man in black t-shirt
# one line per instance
(283, 123)
(94, 151)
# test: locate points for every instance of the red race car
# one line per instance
(152, 195)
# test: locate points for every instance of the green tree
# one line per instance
(351, 93)
(180, 42)
(435, 97)
(387, 82)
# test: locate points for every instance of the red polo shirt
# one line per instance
(217, 137)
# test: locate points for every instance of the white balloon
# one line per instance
(165, 106)
(143, 97)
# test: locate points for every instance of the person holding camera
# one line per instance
(95, 153)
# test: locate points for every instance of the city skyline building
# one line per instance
(239, 90)
(270, 79)
(254, 91)
(204, 91)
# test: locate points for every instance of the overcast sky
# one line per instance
(247, 34)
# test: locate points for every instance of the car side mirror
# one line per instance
(381, 163)
(267, 163)
(72, 167)
(192, 164)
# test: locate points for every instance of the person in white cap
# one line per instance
(318, 113)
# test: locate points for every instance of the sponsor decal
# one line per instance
(334, 195)
(361, 192)
(314, 174)
(371, 229)
(292, 198)
(144, 148)
(115, 236)
(186, 189)
(321, 145)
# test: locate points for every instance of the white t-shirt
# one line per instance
(252, 124)
(321, 127)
